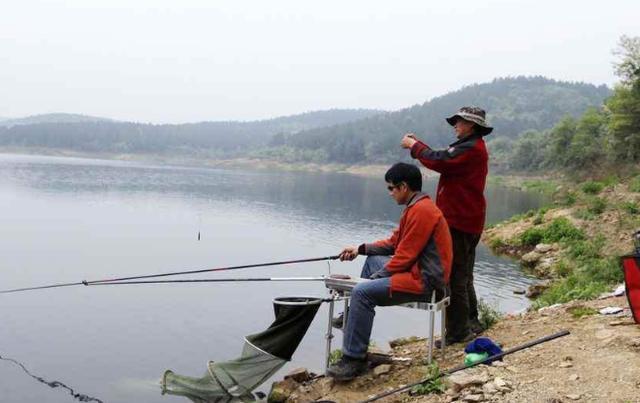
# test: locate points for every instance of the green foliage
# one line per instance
(579, 311)
(547, 187)
(634, 184)
(497, 243)
(487, 315)
(630, 207)
(624, 105)
(528, 151)
(434, 383)
(335, 356)
(573, 287)
(570, 199)
(592, 187)
(585, 273)
(596, 205)
(559, 230)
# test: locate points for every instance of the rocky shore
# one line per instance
(572, 246)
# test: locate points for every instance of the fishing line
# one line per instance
(85, 282)
(54, 384)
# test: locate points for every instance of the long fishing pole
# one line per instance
(248, 266)
(461, 367)
(212, 280)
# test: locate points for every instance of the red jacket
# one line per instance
(421, 248)
(463, 171)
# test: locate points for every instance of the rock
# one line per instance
(610, 310)
(543, 248)
(489, 388)
(536, 289)
(619, 291)
(520, 292)
(565, 364)
(377, 356)
(461, 381)
(574, 377)
(382, 369)
(573, 397)
(299, 375)
(501, 383)
(281, 391)
(404, 340)
(473, 398)
(531, 258)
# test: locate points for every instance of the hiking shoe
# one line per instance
(347, 368)
(475, 326)
(453, 340)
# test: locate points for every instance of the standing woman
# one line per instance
(463, 169)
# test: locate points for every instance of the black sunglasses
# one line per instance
(391, 187)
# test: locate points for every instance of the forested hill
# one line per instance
(210, 139)
(514, 105)
(50, 118)
(346, 136)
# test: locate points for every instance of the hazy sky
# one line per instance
(187, 60)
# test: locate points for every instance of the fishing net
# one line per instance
(263, 354)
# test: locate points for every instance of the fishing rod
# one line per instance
(461, 367)
(120, 279)
(212, 280)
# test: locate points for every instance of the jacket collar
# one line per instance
(416, 197)
(468, 138)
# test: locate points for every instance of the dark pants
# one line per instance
(464, 304)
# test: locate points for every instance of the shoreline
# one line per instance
(364, 170)
(572, 246)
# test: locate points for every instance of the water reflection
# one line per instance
(70, 219)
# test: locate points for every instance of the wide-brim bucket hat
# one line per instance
(472, 114)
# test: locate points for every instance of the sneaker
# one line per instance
(475, 326)
(347, 368)
(453, 340)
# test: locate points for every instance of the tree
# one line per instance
(624, 105)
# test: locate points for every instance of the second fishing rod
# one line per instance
(176, 273)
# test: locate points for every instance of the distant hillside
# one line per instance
(50, 118)
(514, 105)
(207, 139)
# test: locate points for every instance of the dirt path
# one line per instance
(598, 362)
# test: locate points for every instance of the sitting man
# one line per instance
(414, 262)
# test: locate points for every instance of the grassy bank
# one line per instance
(575, 241)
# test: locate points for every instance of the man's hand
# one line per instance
(348, 253)
(408, 140)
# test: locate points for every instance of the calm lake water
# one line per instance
(67, 220)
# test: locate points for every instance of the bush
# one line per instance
(592, 187)
(487, 315)
(573, 287)
(581, 310)
(434, 383)
(559, 230)
(597, 205)
(532, 236)
(630, 207)
(634, 184)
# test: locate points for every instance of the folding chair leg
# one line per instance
(443, 328)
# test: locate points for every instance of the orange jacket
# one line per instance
(421, 248)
